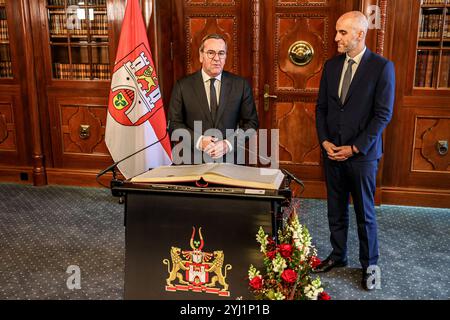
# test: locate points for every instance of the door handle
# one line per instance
(267, 97)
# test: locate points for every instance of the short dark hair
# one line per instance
(212, 36)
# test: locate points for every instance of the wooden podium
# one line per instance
(194, 243)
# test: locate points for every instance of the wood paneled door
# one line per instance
(260, 35)
(296, 38)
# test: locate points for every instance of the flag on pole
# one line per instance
(136, 115)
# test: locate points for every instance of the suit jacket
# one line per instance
(367, 109)
(189, 103)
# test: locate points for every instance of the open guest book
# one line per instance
(218, 173)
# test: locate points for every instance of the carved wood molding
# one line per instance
(210, 23)
(381, 32)
(3, 128)
(7, 128)
(429, 130)
(299, 117)
(211, 3)
(256, 50)
(323, 52)
(302, 3)
(81, 115)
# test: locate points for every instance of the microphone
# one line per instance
(115, 164)
(293, 177)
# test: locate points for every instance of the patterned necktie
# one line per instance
(347, 80)
(212, 98)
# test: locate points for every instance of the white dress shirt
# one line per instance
(206, 81)
(355, 66)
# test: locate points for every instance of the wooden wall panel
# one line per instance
(426, 156)
(301, 147)
(294, 88)
(7, 127)
(70, 148)
(199, 26)
(413, 172)
(83, 129)
(309, 28)
(192, 20)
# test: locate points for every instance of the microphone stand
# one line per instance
(294, 178)
(115, 182)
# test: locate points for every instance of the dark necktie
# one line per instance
(347, 80)
(212, 98)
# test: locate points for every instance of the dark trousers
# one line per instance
(357, 178)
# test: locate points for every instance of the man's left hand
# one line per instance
(217, 150)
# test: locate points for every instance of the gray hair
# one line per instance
(212, 36)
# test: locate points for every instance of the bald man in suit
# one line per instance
(354, 106)
(218, 99)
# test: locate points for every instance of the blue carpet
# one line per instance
(44, 230)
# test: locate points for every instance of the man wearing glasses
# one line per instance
(218, 99)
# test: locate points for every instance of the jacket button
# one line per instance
(342, 110)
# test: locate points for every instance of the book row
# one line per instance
(81, 71)
(427, 68)
(430, 26)
(60, 25)
(4, 35)
(433, 2)
(5, 69)
(73, 2)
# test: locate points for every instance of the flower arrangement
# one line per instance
(288, 265)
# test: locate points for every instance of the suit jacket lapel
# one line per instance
(362, 68)
(337, 72)
(225, 91)
(199, 89)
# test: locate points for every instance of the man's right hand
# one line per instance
(330, 148)
(206, 141)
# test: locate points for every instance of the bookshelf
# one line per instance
(433, 45)
(79, 39)
(5, 53)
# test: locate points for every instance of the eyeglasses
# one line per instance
(211, 54)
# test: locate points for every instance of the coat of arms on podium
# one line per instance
(197, 271)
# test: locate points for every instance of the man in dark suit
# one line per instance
(355, 104)
(218, 99)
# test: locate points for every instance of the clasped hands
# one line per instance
(341, 153)
(213, 147)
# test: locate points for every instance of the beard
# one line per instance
(351, 45)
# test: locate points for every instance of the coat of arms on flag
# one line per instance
(136, 122)
(196, 270)
(134, 88)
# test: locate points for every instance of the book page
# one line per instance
(194, 171)
(243, 173)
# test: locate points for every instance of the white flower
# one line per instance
(279, 296)
(312, 290)
(252, 272)
(261, 237)
(279, 264)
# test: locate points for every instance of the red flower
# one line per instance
(323, 296)
(256, 283)
(271, 254)
(315, 262)
(285, 250)
(289, 275)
